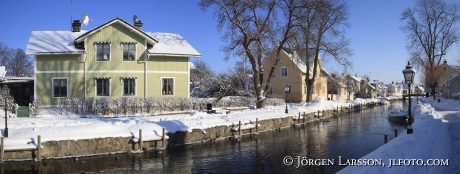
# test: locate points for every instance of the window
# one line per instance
(167, 86)
(102, 86)
(284, 72)
(60, 87)
(129, 86)
(129, 51)
(103, 51)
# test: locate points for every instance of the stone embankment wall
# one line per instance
(109, 145)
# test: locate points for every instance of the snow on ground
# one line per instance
(436, 130)
(51, 126)
(436, 136)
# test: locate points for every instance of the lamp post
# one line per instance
(409, 74)
(287, 88)
(5, 91)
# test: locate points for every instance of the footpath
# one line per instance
(434, 141)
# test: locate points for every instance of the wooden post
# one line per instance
(39, 142)
(298, 120)
(239, 127)
(140, 139)
(2, 150)
(396, 132)
(385, 139)
(318, 113)
(304, 117)
(257, 124)
(163, 138)
(323, 113)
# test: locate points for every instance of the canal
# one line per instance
(350, 136)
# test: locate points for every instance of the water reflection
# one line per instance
(350, 136)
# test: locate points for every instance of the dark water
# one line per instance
(350, 136)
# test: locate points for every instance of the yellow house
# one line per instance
(291, 70)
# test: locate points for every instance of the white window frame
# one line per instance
(52, 86)
(110, 51)
(109, 90)
(287, 72)
(173, 86)
(122, 80)
(122, 50)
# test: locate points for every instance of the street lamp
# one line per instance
(287, 89)
(409, 74)
(5, 92)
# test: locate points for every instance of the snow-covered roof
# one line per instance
(48, 42)
(371, 86)
(452, 77)
(170, 44)
(55, 42)
(301, 63)
(358, 78)
(192, 65)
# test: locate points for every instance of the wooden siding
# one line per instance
(168, 63)
(64, 62)
(296, 78)
(181, 84)
(44, 86)
(116, 85)
(115, 34)
(73, 68)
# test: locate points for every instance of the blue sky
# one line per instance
(377, 42)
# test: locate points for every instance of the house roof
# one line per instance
(46, 42)
(357, 78)
(370, 86)
(170, 44)
(56, 42)
(301, 63)
(450, 79)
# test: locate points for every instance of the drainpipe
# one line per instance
(145, 67)
(84, 68)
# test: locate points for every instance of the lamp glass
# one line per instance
(5, 90)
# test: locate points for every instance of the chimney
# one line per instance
(392, 82)
(445, 61)
(76, 26)
(356, 75)
(138, 24)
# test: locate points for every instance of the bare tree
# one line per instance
(333, 85)
(20, 64)
(430, 31)
(202, 77)
(321, 29)
(240, 74)
(351, 87)
(16, 62)
(254, 31)
(6, 54)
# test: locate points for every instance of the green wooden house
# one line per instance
(115, 59)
